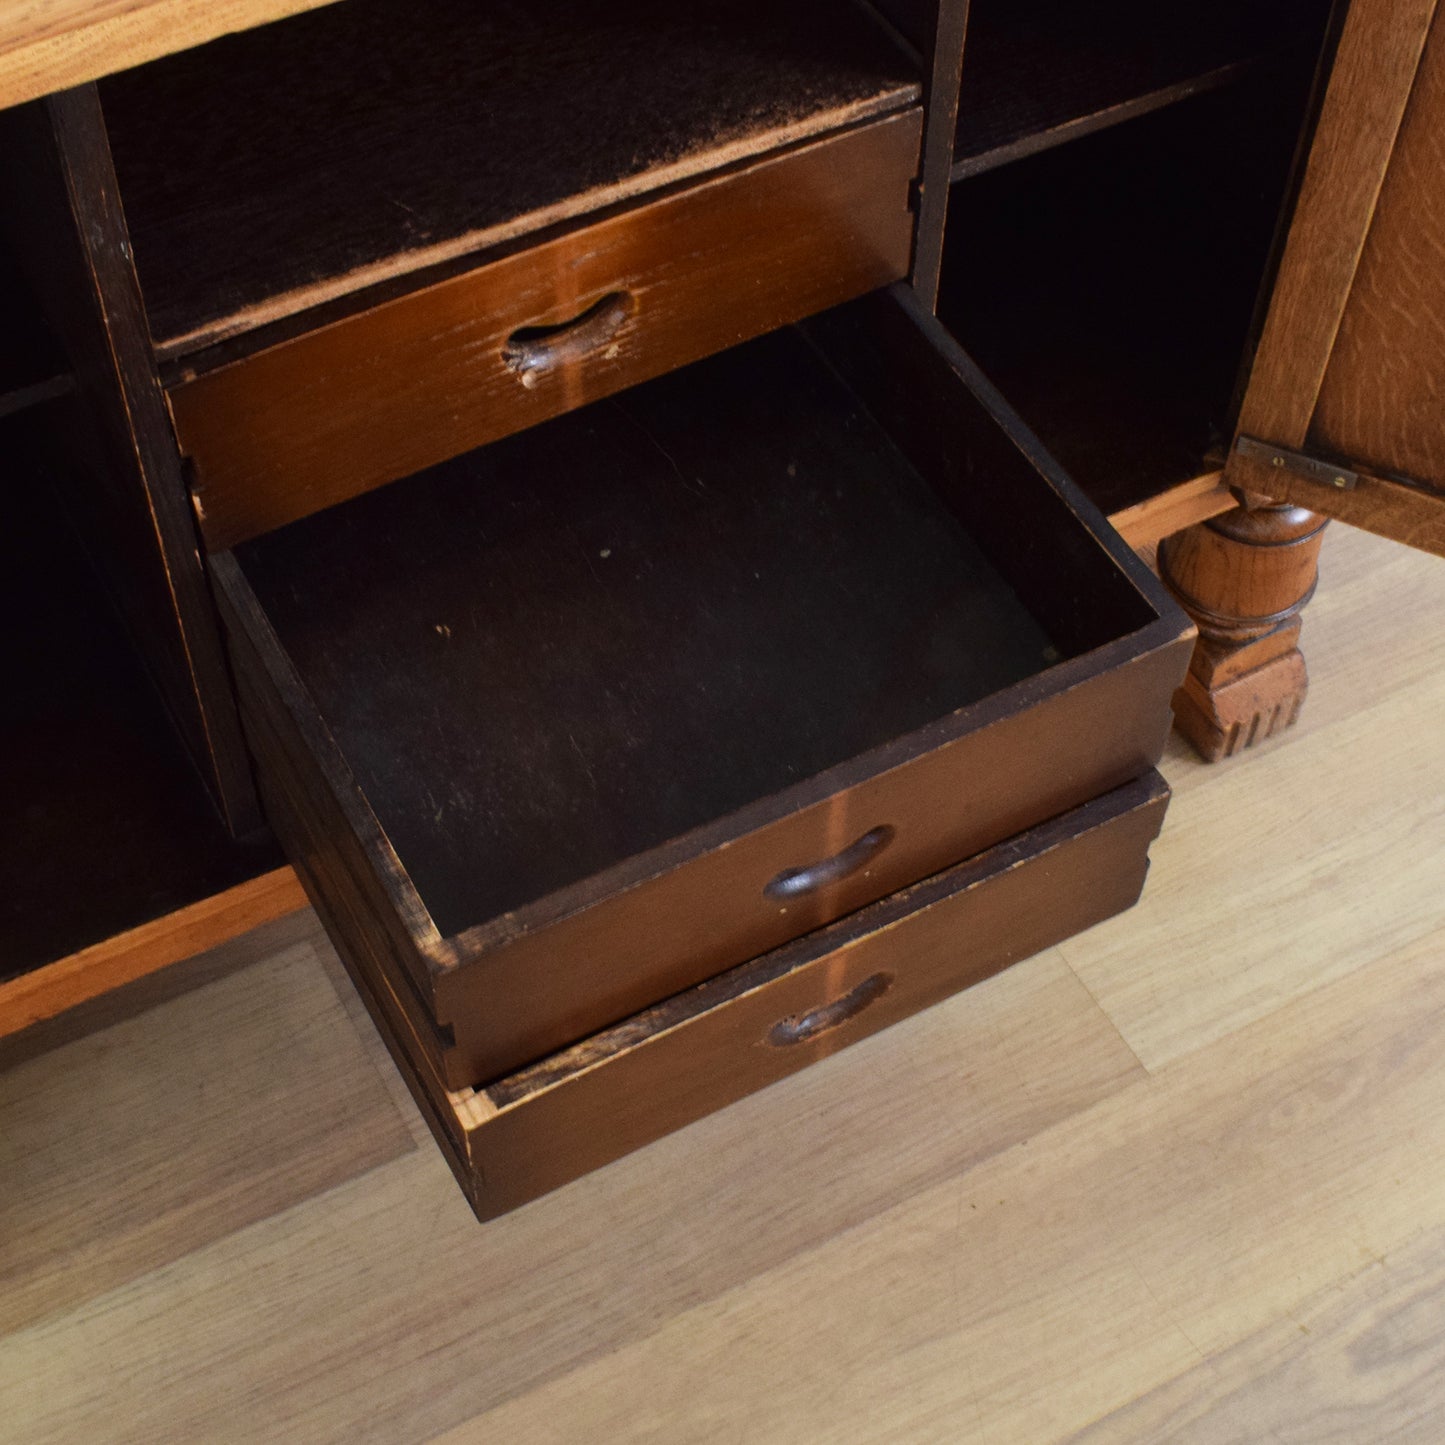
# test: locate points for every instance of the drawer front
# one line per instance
(386, 392)
(590, 1104)
(546, 990)
(543, 989)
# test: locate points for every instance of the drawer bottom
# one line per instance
(545, 1125)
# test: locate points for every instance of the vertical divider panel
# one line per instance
(936, 28)
(130, 502)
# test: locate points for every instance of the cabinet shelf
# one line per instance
(281, 169)
(1038, 73)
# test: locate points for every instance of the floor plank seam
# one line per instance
(1133, 1053)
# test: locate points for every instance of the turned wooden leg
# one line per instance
(1244, 577)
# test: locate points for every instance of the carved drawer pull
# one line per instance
(799, 882)
(532, 350)
(801, 1028)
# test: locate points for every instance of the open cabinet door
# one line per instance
(1345, 408)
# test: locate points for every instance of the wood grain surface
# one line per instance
(49, 45)
(1349, 363)
(1359, 1360)
(1380, 401)
(1144, 523)
(989, 1223)
(1221, 981)
(1368, 89)
(1051, 1285)
(1396, 509)
(274, 1145)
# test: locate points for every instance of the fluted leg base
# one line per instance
(1244, 577)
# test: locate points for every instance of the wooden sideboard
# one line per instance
(251, 280)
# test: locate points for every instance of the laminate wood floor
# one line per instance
(1181, 1179)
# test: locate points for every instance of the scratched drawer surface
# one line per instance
(668, 1066)
(583, 717)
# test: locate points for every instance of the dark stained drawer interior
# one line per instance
(569, 648)
(601, 709)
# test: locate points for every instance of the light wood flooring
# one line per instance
(1182, 1179)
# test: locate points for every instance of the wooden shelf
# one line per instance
(1142, 524)
(1039, 72)
(278, 170)
(106, 980)
(107, 828)
(1109, 305)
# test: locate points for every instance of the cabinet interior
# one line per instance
(106, 824)
(1040, 72)
(1109, 285)
(32, 367)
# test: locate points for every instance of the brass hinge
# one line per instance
(1297, 465)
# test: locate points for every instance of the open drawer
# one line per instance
(669, 1065)
(576, 721)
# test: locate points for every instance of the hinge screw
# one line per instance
(1341, 482)
(1279, 461)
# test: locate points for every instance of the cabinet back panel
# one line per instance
(29, 356)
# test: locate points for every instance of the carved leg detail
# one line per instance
(1244, 577)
